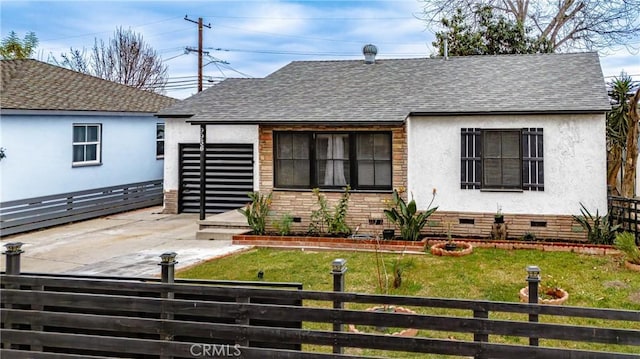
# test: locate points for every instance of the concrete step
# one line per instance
(213, 233)
(231, 219)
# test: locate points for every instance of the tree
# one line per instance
(125, 59)
(485, 34)
(565, 24)
(13, 48)
(631, 160)
(621, 131)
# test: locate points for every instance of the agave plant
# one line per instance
(406, 217)
(599, 228)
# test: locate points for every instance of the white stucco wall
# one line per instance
(574, 164)
(39, 153)
(178, 131)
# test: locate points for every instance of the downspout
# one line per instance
(203, 170)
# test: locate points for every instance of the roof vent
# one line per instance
(369, 52)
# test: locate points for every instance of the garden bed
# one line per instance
(411, 246)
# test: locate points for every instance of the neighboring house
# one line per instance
(525, 133)
(63, 131)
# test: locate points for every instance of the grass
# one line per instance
(487, 274)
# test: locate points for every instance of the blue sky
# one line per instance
(247, 38)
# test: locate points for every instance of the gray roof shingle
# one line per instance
(390, 90)
(34, 85)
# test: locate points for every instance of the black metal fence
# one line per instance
(626, 213)
(41, 212)
(71, 317)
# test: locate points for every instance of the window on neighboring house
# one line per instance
(361, 160)
(160, 140)
(86, 144)
(502, 159)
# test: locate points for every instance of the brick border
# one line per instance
(366, 244)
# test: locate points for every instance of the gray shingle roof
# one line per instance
(390, 90)
(34, 85)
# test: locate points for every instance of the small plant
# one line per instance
(499, 217)
(599, 228)
(550, 289)
(399, 265)
(256, 212)
(406, 217)
(283, 225)
(450, 245)
(335, 221)
(529, 236)
(625, 242)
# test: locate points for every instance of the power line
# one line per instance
(173, 57)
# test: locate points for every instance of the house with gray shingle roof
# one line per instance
(64, 131)
(521, 133)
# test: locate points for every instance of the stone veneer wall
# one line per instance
(363, 206)
(542, 226)
(170, 202)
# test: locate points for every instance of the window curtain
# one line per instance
(334, 165)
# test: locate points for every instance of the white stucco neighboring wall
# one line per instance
(39, 153)
(178, 131)
(574, 164)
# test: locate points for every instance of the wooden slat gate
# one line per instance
(57, 317)
(229, 177)
(46, 211)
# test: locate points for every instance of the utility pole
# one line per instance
(200, 26)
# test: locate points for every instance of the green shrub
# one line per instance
(283, 225)
(332, 222)
(406, 217)
(599, 228)
(257, 211)
(625, 242)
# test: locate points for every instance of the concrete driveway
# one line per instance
(126, 244)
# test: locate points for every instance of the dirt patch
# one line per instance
(635, 297)
(616, 284)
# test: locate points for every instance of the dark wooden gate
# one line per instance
(229, 177)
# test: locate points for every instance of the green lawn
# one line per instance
(487, 274)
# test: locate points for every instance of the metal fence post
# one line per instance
(167, 266)
(533, 278)
(338, 269)
(14, 249)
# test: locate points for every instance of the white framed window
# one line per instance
(87, 144)
(159, 140)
